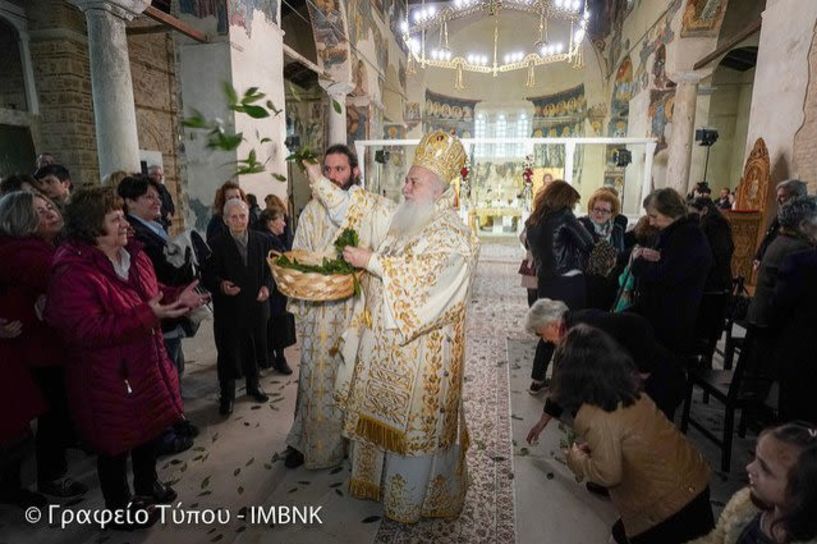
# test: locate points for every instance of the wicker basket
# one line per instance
(310, 285)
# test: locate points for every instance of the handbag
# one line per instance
(528, 273)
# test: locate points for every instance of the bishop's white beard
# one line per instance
(410, 217)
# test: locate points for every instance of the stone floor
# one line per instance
(519, 493)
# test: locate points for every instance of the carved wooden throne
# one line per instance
(749, 214)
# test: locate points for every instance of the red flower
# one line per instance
(464, 172)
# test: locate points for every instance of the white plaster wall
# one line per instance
(202, 90)
(781, 80)
(258, 61)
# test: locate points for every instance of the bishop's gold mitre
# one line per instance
(442, 153)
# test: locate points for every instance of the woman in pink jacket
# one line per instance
(123, 390)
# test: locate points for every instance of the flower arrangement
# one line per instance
(527, 172)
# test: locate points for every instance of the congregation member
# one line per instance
(409, 452)
(144, 214)
(793, 308)
(725, 200)
(22, 182)
(560, 246)
(255, 209)
(46, 159)
(664, 381)
(784, 192)
(287, 237)
(229, 190)
(607, 226)
(54, 181)
(657, 480)
(796, 221)
(157, 174)
(281, 323)
(29, 227)
(670, 277)
(718, 232)
(315, 439)
(123, 391)
(779, 506)
(240, 281)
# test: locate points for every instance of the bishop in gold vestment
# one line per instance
(401, 384)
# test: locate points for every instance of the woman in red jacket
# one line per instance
(29, 226)
(104, 299)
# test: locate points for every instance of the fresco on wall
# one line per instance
(361, 21)
(207, 8)
(660, 34)
(382, 49)
(360, 79)
(411, 114)
(660, 116)
(557, 115)
(620, 102)
(396, 14)
(703, 17)
(660, 79)
(329, 30)
(243, 11)
(357, 119)
(378, 7)
(401, 75)
(450, 114)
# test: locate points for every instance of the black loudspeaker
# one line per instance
(622, 157)
(706, 136)
(381, 156)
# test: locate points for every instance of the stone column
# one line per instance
(114, 110)
(337, 120)
(683, 127)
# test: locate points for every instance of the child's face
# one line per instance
(769, 471)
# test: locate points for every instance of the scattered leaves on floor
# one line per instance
(336, 484)
(516, 417)
(371, 519)
(251, 461)
(205, 482)
(237, 471)
(335, 470)
(339, 492)
(549, 475)
(204, 493)
(240, 490)
(293, 490)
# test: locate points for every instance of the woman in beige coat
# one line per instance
(657, 480)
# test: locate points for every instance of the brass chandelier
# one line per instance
(421, 22)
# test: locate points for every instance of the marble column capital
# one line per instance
(336, 89)
(124, 9)
(687, 78)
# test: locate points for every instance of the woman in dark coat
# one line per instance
(718, 285)
(670, 278)
(29, 226)
(794, 308)
(604, 223)
(281, 325)
(104, 300)
(241, 282)
(560, 246)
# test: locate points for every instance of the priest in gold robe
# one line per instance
(315, 439)
(404, 354)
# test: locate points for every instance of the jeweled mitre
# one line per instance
(442, 153)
